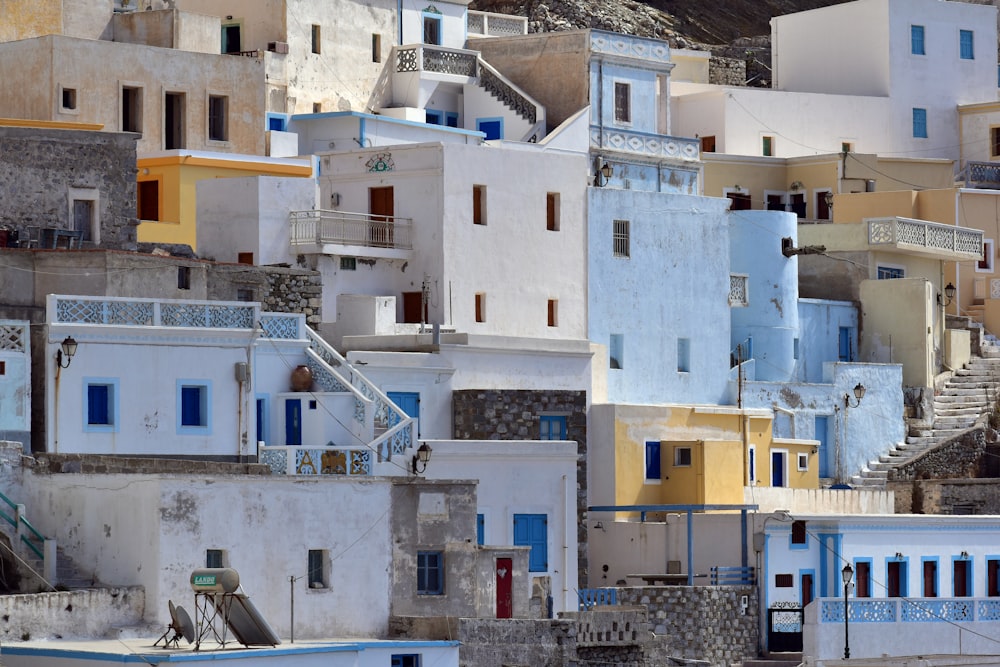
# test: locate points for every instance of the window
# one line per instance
(985, 265)
(276, 123)
(920, 123)
(183, 277)
(430, 573)
(623, 102)
(480, 529)
(995, 142)
(531, 530)
(683, 355)
(799, 534)
(491, 127)
(823, 207)
(993, 577)
(795, 348)
(553, 312)
(317, 565)
(245, 294)
(652, 460)
(616, 350)
(131, 109)
(479, 204)
(551, 427)
(863, 579)
(682, 457)
(376, 48)
(316, 40)
(889, 272)
(174, 110)
(451, 119)
(3, 368)
(193, 406)
(148, 200)
(231, 42)
(244, 258)
(846, 147)
(620, 238)
(961, 577)
(348, 263)
(432, 117)
(896, 579)
(218, 118)
(552, 212)
(784, 581)
(752, 465)
(405, 660)
(767, 146)
(317, 107)
(100, 407)
(965, 45)
(215, 558)
(432, 29)
(68, 99)
(930, 577)
(480, 307)
(917, 40)
(803, 460)
(708, 144)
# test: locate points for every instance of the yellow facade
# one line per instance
(705, 455)
(177, 179)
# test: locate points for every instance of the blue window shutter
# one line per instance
(480, 529)
(652, 459)
(917, 40)
(98, 409)
(191, 406)
(920, 123)
(531, 530)
(966, 50)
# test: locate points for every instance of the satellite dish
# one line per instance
(184, 625)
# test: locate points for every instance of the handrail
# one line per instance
(509, 95)
(732, 576)
(24, 522)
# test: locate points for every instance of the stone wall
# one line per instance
(279, 289)
(102, 464)
(71, 614)
(39, 167)
(918, 485)
(957, 458)
(950, 496)
(510, 414)
(699, 622)
(609, 636)
(727, 71)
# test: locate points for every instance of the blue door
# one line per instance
(822, 426)
(531, 530)
(293, 422)
(260, 420)
(846, 351)
(777, 468)
(493, 127)
(408, 402)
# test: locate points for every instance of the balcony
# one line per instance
(657, 146)
(436, 59)
(489, 24)
(932, 239)
(985, 175)
(345, 233)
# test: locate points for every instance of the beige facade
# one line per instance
(25, 19)
(173, 98)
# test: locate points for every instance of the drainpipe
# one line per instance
(565, 541)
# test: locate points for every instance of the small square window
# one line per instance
(348, 263)
(406, 660)
(552, 427)
(784, 581)
(313, 405)
(480, 307)
(620, 238)
(552, 212)
(183, 277)
(317, 107)
(623, 102)
(69, 99)
(218, 118)
(215, 558)
(616, 350)
(316, 42)
(318, 567)
(100, 408)
(803, 462)
(799, 533)
(193, 406)
(846, 147)
(244, 258)
(245, 295)
(479, 204)
(430, 573)
(553, 312)
(682, 457)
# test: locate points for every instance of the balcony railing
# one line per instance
(119, 311)
(984, 174)
(496, 25)
(645, 143)
(358, 229)
(920, 234)
(438, 59)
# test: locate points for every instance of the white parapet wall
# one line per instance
(820, 501)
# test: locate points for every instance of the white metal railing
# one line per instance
(924, 234)
(360, 229)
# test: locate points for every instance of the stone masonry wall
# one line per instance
(72, 614)
(101, 464)
(727, 71)
(278, 289)
(39, 166)
(699, 622)
(498, 414)
(951, 496)
(957, 458)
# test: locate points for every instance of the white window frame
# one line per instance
(770, 468)
(802, 458)
(990, 255)
(676, 457)
(781, 193)
(879, 265)
(76, 99)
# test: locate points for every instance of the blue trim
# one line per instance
(382, 119)
(264, 417)
(792, 546)
(450, 116)
(937, 575)
(919, 123)
(434, 117)
(551, 427)
(282, 117)
(424, 16)
(480, 529)
(204, 414)
(113, 401)
(494, 119)
(904, 575)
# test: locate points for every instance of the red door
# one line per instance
(505, 597)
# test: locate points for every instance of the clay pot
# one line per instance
(302, 378)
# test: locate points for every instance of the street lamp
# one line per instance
(847, 573)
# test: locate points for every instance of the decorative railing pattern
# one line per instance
(995, 288)
(329, 460)
(34, 540)
(162, 313)
(644, 143)
(282, 326)
(908, 610)
(494, 84)
(591, 597)
(358, 229)
(436, 59)
(923, 234)
(731, 576)
(496, 25)
(738, 295)
(984, 172)
(615, 44)
(13, 337)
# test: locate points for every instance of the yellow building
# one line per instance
(167, 188)
(671, 454)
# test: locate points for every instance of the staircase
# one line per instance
(966, 397)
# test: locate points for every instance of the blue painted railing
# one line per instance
(591, 597)
(37, 545)
(732, 576)
(907, 610)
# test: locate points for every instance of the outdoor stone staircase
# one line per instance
(966, 397)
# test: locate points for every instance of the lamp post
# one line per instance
(847, 573)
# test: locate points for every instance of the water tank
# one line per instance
(215, 580)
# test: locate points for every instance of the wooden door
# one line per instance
(505, 595)
(381, 207)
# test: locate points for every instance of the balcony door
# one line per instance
(381, 209)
